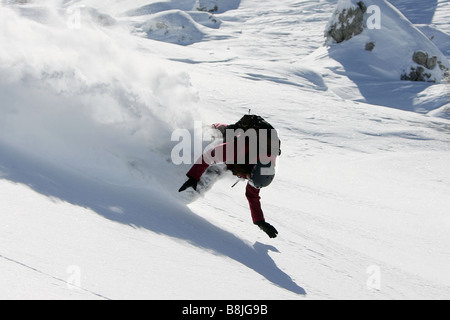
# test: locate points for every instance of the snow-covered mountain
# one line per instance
(378, 47)
(92, 91)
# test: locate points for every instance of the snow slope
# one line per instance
(88, 192)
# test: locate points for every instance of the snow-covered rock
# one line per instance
(394, 41)
(177, 21)
(218, 6)
(347, 22)
(174, 26)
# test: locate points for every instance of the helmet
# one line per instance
(262, 175)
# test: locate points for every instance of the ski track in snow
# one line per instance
(85, 168)
(51, 277)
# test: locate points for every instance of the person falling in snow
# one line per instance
(257, 168)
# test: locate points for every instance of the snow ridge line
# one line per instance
(54, 277)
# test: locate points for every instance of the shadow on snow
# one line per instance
(141, 208)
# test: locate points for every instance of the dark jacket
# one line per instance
(219, 155)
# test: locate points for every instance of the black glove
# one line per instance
(267, 228)
(190, 183)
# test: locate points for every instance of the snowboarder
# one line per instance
(259, 173)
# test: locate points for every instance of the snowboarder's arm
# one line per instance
(198, 169)
(191, 183)
(217, 155)
(254, 202)
(257, 214)
(221, 127)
